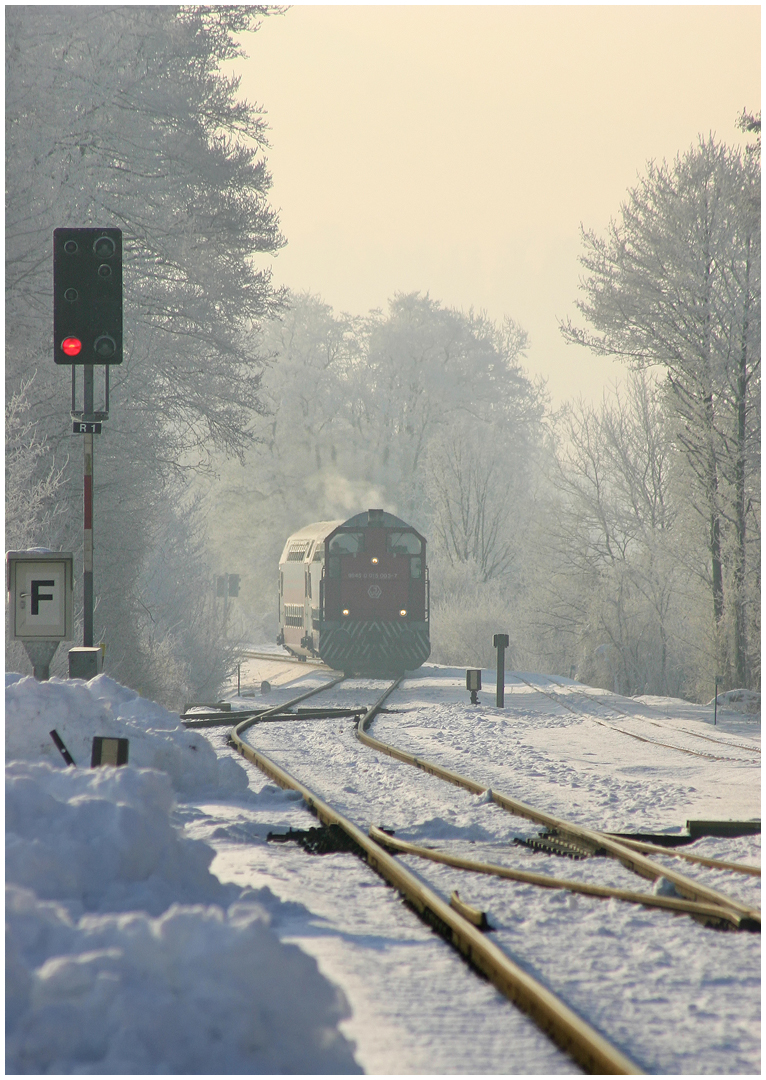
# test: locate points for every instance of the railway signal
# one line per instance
(87, 296)
(227, 585)
(87, 331)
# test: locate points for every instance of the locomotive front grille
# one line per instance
(369, 646)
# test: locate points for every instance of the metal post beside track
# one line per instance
(500, 641)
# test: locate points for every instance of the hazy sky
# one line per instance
(456, 150)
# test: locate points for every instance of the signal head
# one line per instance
(72, 346)
(104, 247)
(87, 295)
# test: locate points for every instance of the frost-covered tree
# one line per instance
(405, 410)
(121, 116)
(302, 464)
(675, 284)
(478, 490)
(32, 512)
(425, 367)
(618, 586)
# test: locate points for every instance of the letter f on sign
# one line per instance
(37, 596)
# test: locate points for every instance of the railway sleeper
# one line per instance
(550, 843)
(322, 840)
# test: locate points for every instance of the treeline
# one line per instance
(423, 410)
(620, 543)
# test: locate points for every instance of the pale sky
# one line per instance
(456, 150)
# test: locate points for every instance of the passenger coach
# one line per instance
(355, 593)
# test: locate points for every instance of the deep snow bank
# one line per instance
(197, 990)
(79, 710)
(102, 839)
(124, 954)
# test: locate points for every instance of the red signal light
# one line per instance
(72, 346)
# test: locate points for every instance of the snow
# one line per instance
(79, 710)
(124, 953)
(153, 929)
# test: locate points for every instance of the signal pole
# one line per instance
(87, 487)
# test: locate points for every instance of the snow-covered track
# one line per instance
(591, 839)
(615, 713)
(714, 864)
(285, 658)
(707, 913)
(586, 1046)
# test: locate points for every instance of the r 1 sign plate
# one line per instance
(85, 427)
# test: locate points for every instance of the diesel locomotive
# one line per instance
(355, 593)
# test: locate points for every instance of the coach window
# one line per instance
(403, 543)
(334, 566)
(350, 543)
(416, 567)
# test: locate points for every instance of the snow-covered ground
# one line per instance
(124, 953)
(152, 927)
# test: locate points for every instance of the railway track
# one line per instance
(285, 658)
(459, 923)
(614, 713)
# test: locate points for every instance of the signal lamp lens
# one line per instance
(105, 346)
(104, 270)
(403, 612)
(345, 611)
(71, 295)
(70, 247)
(72, 346)
(104, 247)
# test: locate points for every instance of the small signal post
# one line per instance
(500, 642)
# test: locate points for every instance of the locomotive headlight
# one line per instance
(403, 612)
(345, 611)
(374, 561)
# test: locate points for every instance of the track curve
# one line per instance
(714, 903)
(573, 1034)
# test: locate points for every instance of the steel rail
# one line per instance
(589, 838)
(568, 1030)
(276, 709)
(715, 864)
(224, 719)
(254, 654)
(704, 912)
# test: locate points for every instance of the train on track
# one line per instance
(356, 594)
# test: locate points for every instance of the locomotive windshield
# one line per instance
(347, 543)
(403, 543)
